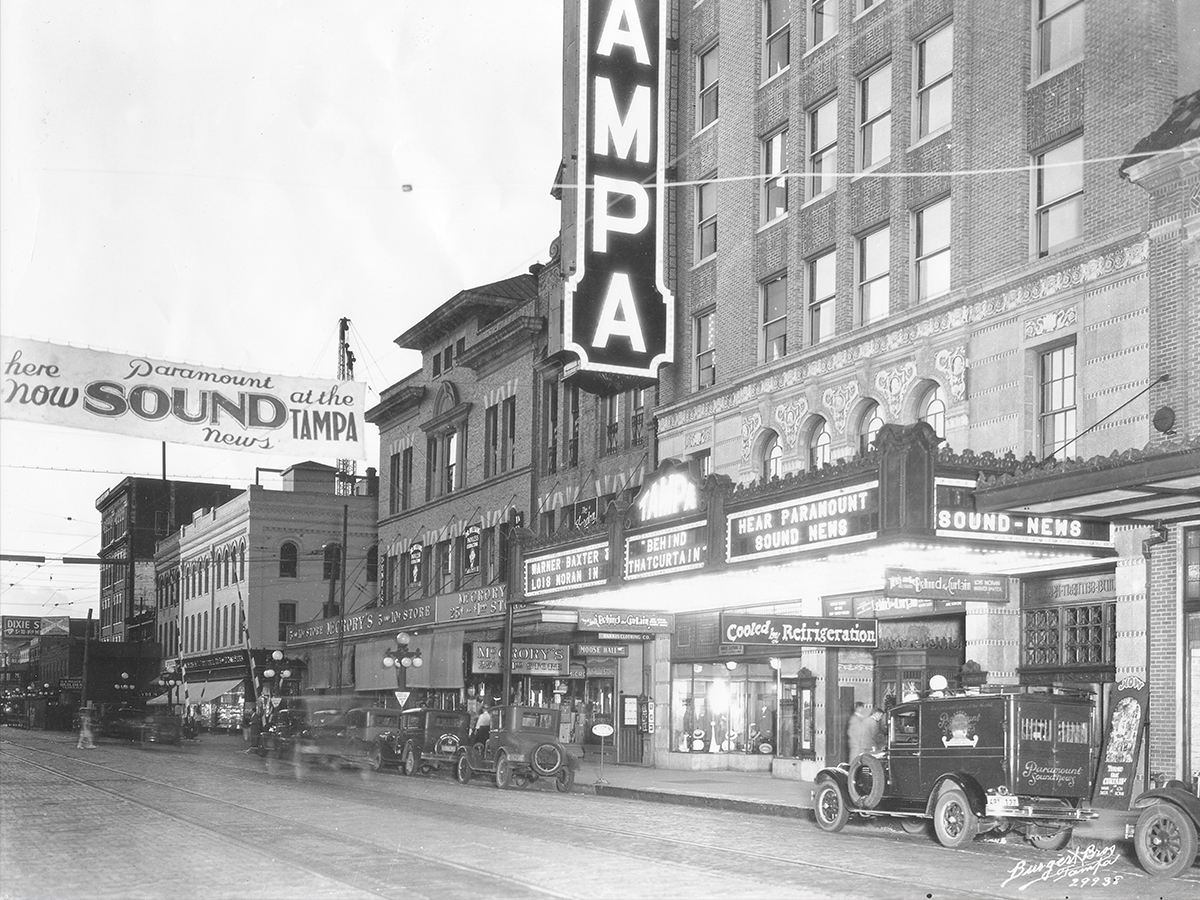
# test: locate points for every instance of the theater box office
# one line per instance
(887, 545)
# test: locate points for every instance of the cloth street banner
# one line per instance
(228, 409)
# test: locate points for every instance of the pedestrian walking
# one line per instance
(256, 725)
(878, 730)
(86, 741)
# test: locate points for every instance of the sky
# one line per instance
(219, 182)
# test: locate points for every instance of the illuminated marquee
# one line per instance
(844, 516)
(566, 570)
(1001, 526)
(665, 551)
(618, 315)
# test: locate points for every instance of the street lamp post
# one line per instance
(277, 672)
(124, 686)
(402, 657)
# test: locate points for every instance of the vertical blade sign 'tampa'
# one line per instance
(618, 314)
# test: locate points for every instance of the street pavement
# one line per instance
(208, 820)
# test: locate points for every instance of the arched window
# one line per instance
(871, 422)
(933, 411)
(287, 560)
(373, 564)
(772, 459)
(241, 574)
(818, 444)
(333, 557)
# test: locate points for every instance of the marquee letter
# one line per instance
(619, 299)
(631, 36)
(624, 131)
(603, 223)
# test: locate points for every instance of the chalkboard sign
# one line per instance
(1122, 740)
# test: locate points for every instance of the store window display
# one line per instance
(724, 707)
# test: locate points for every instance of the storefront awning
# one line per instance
(160, 700)
(208, 691)
(1148, 486)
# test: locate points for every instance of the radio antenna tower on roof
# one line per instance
(345, 467)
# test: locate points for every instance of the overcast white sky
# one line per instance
(219, 182)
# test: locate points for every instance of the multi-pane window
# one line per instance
(774, 318)
(436, 364)
(287, 616)
(706, 363)
(775, 183)
(1082, 636)
(571, 424)
(1057, 379)
(1059, 196)
(509, 444)
(444, 567)
(777, 20)
(406, 478)
(372, 564)
(450, 448)
(706, 219)
(822, 152)
(822, 20)
(875, 117)
(491, 441)
(819, 443)
(610, 415)
(935, 80)
(932, 245)
(871, 422)
(772, 461)
(332, 567)
(707, 83)
(550, 424)
(822, 291)
(394, 484)
(287, 560)
(874, 275)
(637, 417)
(933, 411)
(1059, 33)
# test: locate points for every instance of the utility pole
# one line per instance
(341, 564)
(87, 634)
(345, 467)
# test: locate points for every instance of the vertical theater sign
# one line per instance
(618, 315)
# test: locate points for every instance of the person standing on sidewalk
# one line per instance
(860, 731)
(86, 742)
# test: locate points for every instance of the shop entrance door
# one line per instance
(629, 735)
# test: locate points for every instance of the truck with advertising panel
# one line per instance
(1009, 759)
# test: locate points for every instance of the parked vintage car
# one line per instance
(522, 746)
(1165, 836)
(361, 737)
(973, 762)
(428, 739)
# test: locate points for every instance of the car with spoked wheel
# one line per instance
(1167, 834)
(522, 747)
(1000, 760)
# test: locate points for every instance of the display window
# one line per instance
(724, 707)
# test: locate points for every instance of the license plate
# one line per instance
(1006, 801)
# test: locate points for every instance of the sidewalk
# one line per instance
(758, 793)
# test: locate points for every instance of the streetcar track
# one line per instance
(636, 849)
(488, 875)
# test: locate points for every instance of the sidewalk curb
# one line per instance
(703, 801)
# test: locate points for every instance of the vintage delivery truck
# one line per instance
(1010, 759)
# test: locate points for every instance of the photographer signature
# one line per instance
(1080, 865)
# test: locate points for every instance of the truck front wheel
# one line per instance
(953, 819)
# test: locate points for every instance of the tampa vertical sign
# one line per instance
(618, 315)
